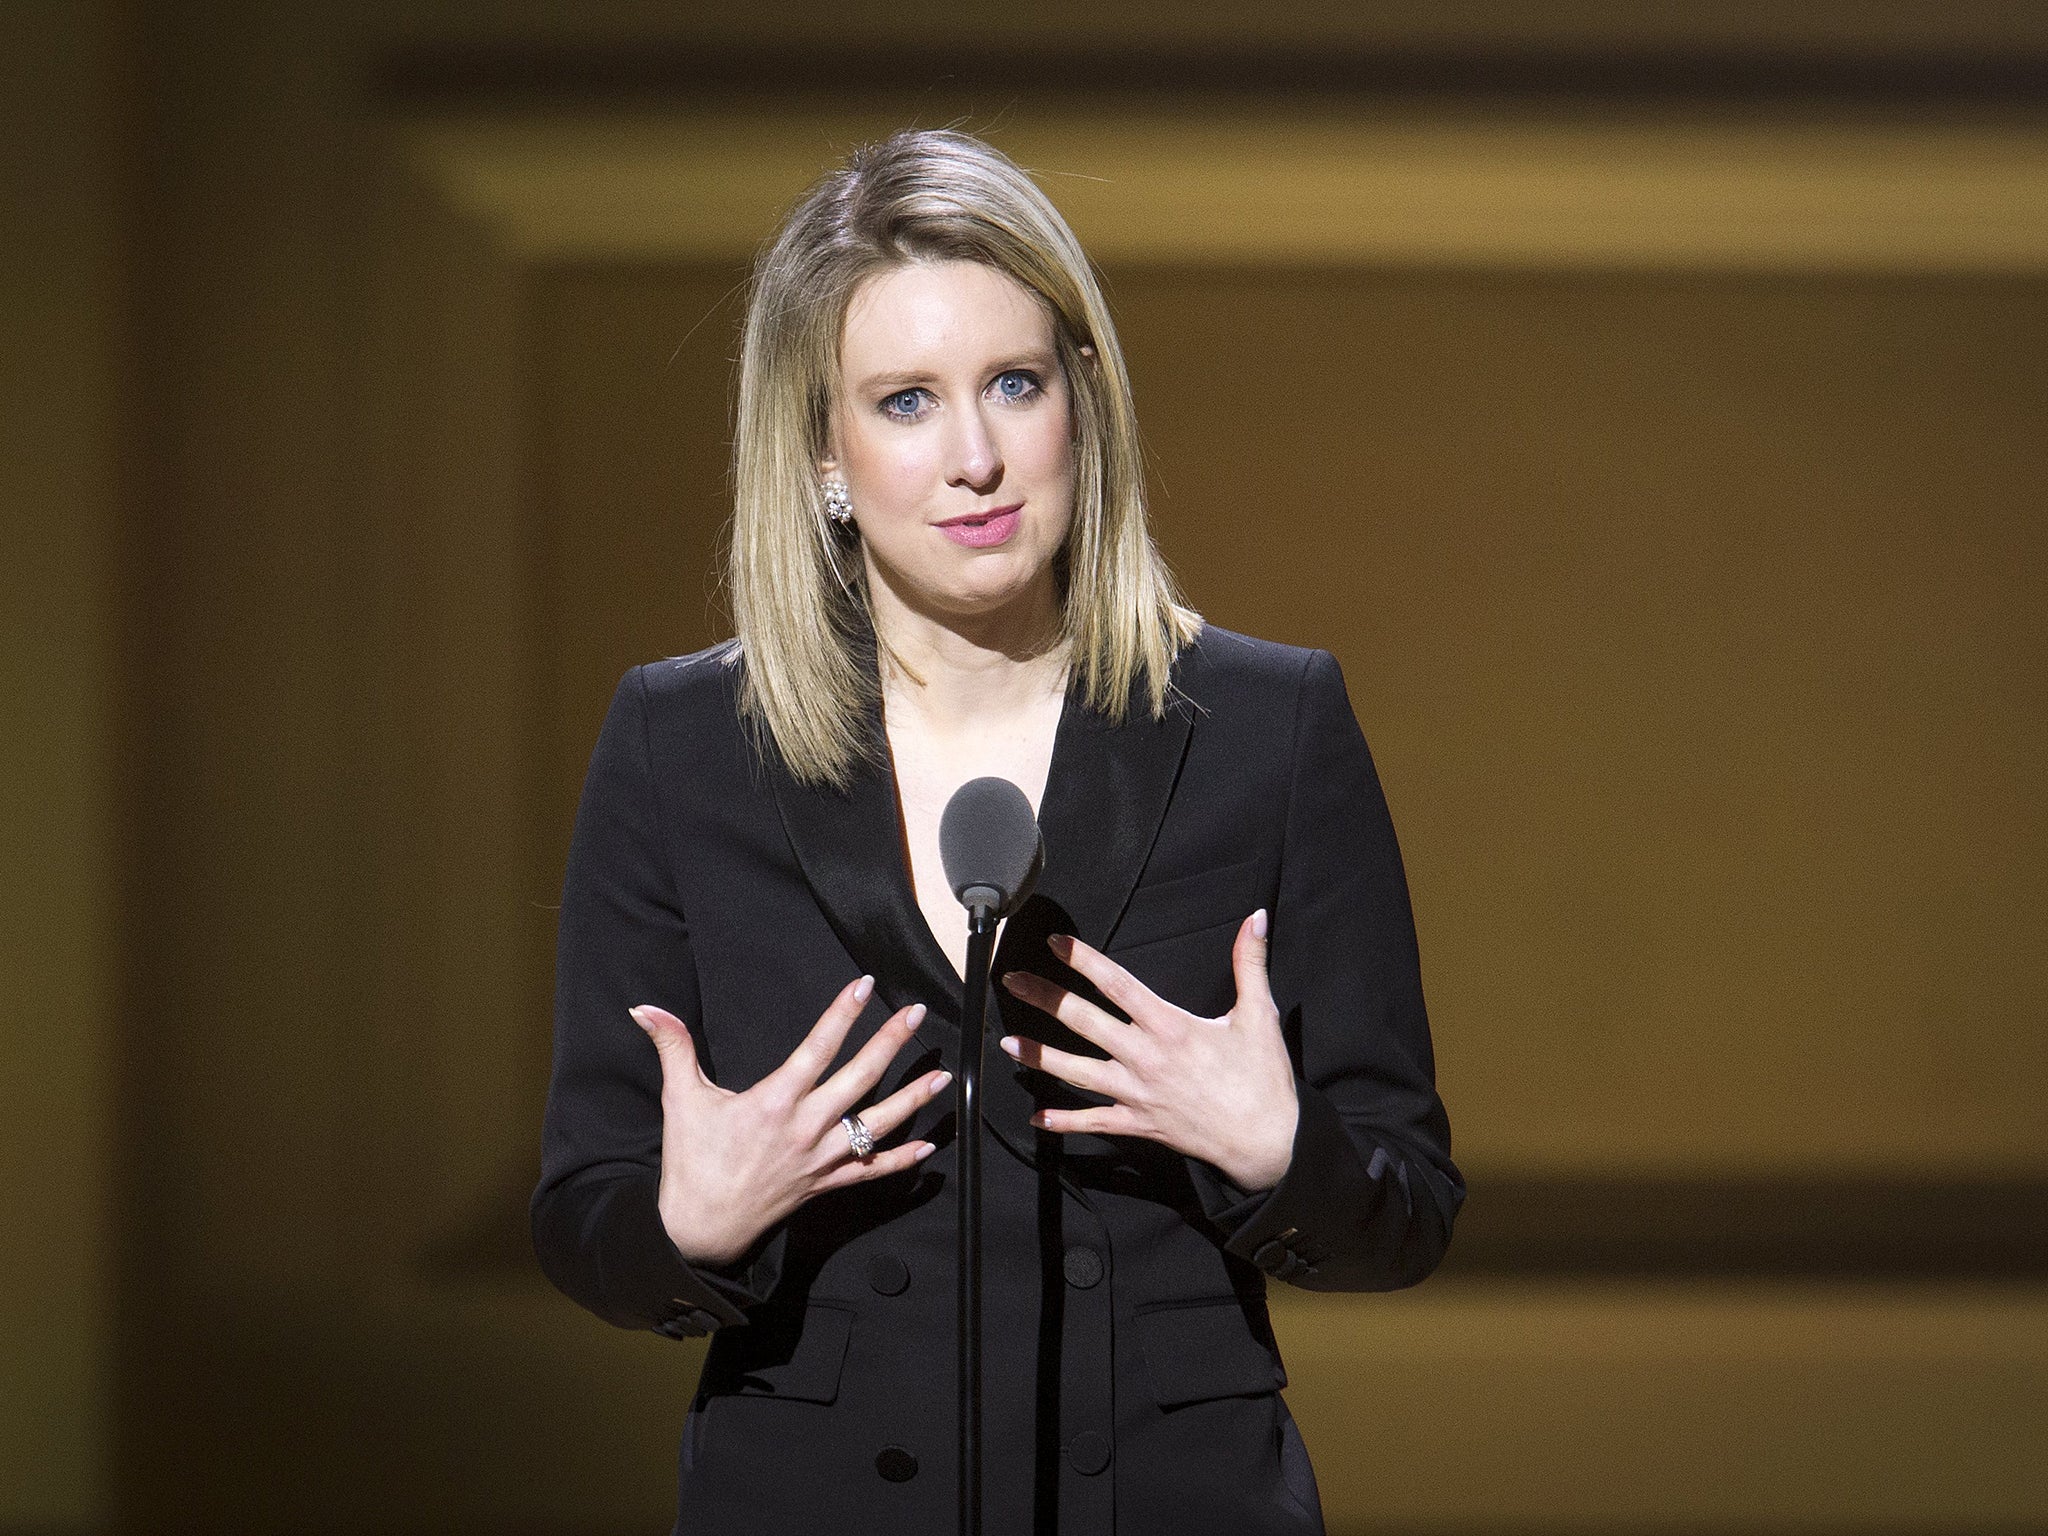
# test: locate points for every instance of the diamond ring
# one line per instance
(863, 1143)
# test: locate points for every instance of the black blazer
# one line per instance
(1130, 1372)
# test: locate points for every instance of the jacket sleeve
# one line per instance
(1368, 1200)
(623, 940)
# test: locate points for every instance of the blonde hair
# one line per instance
(796, 580)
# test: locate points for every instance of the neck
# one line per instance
(962, 673)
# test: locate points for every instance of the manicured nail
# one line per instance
(1259, 923)
(1038, 1119)
(916, 1018)
(939, 1082)
(924, 1150)
(1060, 944)
(864, 989)
(1009, 1044)
(1010, 980)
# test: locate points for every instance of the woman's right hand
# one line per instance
(734, 1164)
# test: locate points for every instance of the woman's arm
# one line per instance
(664, 1196)
(1370, 1193)
(1318, 1087)
(623, 941)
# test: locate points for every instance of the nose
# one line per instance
(976, 457)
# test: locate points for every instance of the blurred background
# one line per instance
(1645, 402)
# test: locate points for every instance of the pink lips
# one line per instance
(982, 530)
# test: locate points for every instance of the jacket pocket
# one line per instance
(792, 1355)
(1198, 1350)
(1209, 898)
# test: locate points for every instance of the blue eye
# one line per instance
(1016, 385)
(904, 405)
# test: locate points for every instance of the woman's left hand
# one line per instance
(1218, 1089)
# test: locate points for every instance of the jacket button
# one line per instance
(1277, 1259)
(1088, 1452)
(691, 1324)
(888, 1274)
(896, 1464)
(1083, 1266)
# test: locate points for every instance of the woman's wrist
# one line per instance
(1262, 1165)
(704, 1245)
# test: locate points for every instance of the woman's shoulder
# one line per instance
(703, 680)
(1223, 662)
(691, 704)
(689, 709)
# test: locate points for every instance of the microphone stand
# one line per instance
(981, 943)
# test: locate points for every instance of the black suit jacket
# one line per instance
(1130, 1372)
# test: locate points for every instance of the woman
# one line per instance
(1219, 1066)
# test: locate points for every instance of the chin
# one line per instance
(992, 593)
(980, 586)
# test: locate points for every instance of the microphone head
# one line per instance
(988, 841)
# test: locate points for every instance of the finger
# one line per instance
(1110, 979)
(859, 1171)
(883, 1118)
(803, 1066)
(1089, 1072)
(1248, 960)
(672, 1043)
(1091, 1023)
(856, 1080)
(1104, 1120)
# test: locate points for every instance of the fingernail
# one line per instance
(1038, 1119)
(924, 1150)
(916, 1015)
(864, 989)
(1009, 1044)
(1060, 944)
(939, 1082)
(1259, 923)
(639, 1016)
(1008, 978)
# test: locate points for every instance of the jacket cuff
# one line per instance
(1281, 1230)
(685, 1300)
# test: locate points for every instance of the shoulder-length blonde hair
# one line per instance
(797, 581)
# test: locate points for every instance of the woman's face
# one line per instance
(954, 436)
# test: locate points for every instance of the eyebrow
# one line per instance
(1044, 362)
(891, 381)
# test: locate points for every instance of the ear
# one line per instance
(828, 448)
(1088, 351)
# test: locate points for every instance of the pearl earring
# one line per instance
(838, 503)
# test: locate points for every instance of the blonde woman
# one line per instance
(1218, 1066)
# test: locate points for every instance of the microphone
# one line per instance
(989, 843)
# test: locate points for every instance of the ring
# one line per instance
(863, 1143)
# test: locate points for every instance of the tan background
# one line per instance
(1665, 477)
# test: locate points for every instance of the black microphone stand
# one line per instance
(981, 943)
(989, 841)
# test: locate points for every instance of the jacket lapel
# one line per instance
(850, 848)
(1105, 798)
(1106, 794)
